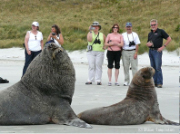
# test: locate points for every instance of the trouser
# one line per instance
(114, 56)
(95, 61)
(28, 59)
(156, 62)
(127, 59)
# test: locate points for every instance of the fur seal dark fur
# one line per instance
(44, 93)
(140, 105)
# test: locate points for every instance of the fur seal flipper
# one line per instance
(140, 105)
(44, 93)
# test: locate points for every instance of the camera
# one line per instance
(97, 41)
(53, 34)
(92, 28)
(131, 43)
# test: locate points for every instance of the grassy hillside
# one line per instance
(75, 16)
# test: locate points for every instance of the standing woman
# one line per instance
(95, 57)
(114, 42)
(33, 44)
(56, 35)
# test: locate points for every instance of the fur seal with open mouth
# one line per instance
(140, 105)
(44, 93)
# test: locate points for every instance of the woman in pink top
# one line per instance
(114, 42)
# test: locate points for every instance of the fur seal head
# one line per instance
(144, 76)
(55, 49)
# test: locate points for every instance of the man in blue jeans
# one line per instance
(155, 44)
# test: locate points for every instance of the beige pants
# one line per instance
(127, 59)
(95, 61)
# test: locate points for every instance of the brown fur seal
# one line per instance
(140, 105)
(44, 93)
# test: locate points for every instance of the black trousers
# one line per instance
(113, 56)
(28, 59)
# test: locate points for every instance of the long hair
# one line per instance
(114, 26)
(58, 31)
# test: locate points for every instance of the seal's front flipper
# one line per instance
(78, 123)
(162, 121)
(156, 117)
(168, 122)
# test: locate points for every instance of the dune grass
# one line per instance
(75, 16)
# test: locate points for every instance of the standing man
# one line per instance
(155, 44)
(130, 52)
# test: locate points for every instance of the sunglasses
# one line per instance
(35, 37)
(116, 27)
(153, 25)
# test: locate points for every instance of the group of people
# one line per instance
(125, 45)
(34, 42)
(118, 45)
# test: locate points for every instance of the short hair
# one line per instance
(113, 26)
(154, 20)
(58, 31)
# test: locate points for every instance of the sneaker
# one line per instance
(88, 83)
(159, 86)
(99, 83)
(109, 84)
(126, 84)
(117, 84)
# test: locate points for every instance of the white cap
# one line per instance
(35, 24)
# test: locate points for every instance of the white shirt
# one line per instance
(132, 37)
(34, 42)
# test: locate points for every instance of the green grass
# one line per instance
(75, 16)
